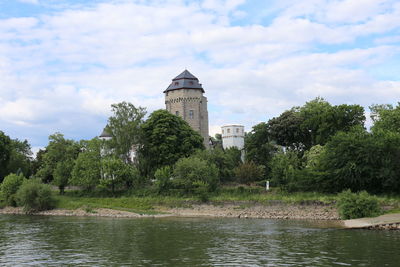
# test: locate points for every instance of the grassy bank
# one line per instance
(148, 203)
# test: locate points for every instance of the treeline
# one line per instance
(326, 148)
(315, 147)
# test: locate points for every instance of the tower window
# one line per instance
(237, 130)
(176, 83)
(228, 130)
(191, 114)
(177, 113)
(222, 131)
(191, 82)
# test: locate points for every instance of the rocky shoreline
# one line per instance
(242, 210)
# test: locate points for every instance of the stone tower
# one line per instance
(184, 98)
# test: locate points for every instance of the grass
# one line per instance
(148, 202)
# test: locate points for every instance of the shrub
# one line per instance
(163, 182)
(35, 196)
(249, 172)
(357, 205)
(189, 172)
(9, 188)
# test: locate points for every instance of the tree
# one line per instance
(191, 173)
(385, 117)
(249, 172)
(225, 161)
(124, 127)
(62, 174)
(58, 150)
(116, 173)
(5, 153)
(313, 124)
(20, 158)
(165, 139)
(258, 146)
(286, 130)
(87, 169)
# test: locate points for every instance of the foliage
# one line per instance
(163, 179)
(116, 173)
(124, 127)
(190, 173)
(62, 174)
(359, 160)
(352, 205)
(314, 123)
(5, 152)
(283, 168)
(35, 196)
(20, 158)
(87, 169)
(385, 117)
(9, 188)
(225, 160)
(58, 150)
(165, 139)
(248, 172)
(258, 146)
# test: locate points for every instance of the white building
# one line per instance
(233, 136)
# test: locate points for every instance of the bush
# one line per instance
(249, 172)
(189, 172)
(9, 188)
(353, 205)
(163, 182)
(35, 196)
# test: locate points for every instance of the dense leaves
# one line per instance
(166, 138)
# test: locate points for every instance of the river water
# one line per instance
(90, 241)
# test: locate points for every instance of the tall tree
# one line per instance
(165, 139)
(385, 117)
(258, 146)
(5, 153)
(58, 150)
(124, 127)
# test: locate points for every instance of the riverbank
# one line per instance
(229, 210)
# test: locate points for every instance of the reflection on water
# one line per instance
(40, 240)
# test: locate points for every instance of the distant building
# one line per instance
(106, 136)
(184, 97)
(233, 136)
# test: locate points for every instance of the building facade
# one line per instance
(184, 97)
(233, 136)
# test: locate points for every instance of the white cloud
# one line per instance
(63, 70)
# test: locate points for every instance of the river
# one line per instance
(91, 241)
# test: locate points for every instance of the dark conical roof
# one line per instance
(185, 75)
(105, 133)
(185, 80)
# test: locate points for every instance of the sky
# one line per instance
(63, 62)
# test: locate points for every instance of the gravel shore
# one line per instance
(242, 210)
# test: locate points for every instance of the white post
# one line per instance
(267, 186)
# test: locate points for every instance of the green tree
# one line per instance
(258, 146)
(284, 166)
(165, 139)
(249, 172)
(62, 174)
(191, 173)
(20, 158)
(124, 127)
(5, 153)
(58, 150)
(225, 161)
(385, 117)
(87, 169)
(116, 173)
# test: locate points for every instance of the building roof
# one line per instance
(185, 80)
(105, 133)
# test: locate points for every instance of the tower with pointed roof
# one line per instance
(184, 97)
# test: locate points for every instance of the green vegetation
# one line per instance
(35, 196)
(353, 206)
(9, 188)
(309, 154)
